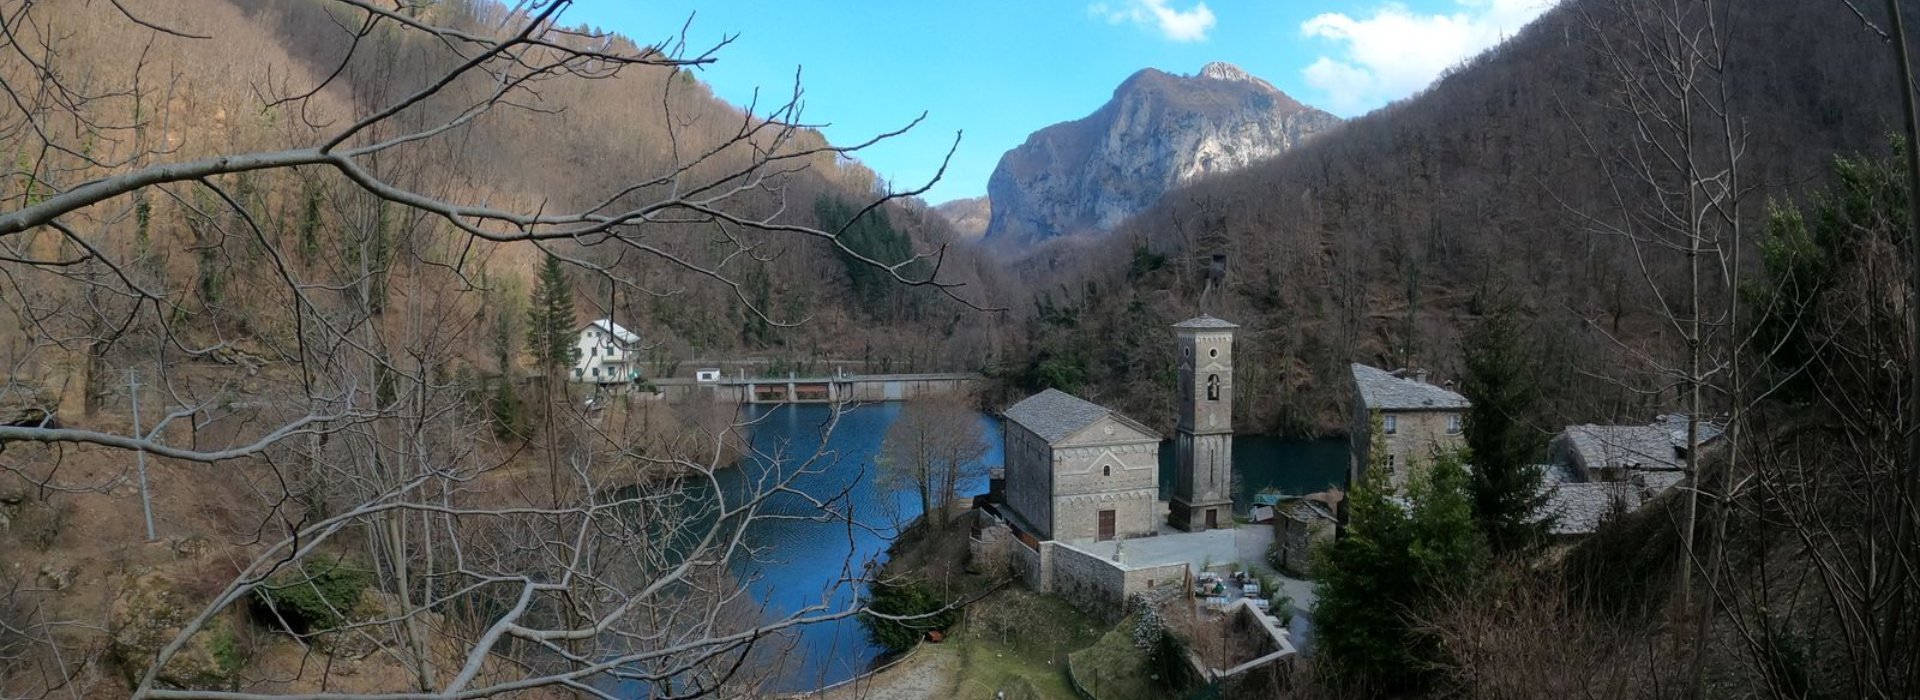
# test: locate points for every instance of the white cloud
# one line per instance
(1174, 25)
(1395, 52)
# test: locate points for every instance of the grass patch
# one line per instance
(1018, 641)
(1114, 669)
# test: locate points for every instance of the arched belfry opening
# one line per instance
(1213, 387)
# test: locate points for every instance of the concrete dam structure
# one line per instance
(837, 388)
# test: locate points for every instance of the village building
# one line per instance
(1416, 421)
(1299, 524)
(608, 354)
(1076, 470)
(1599, 470)
(1075, 510)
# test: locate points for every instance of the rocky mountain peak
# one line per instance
(1222, 70)
(1158, 132)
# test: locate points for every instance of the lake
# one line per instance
(807, 560)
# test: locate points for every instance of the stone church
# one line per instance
(1079, 475)
(1076, 470)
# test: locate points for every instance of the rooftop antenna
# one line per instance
(1216, 280)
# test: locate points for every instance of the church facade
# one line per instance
(1076, 470)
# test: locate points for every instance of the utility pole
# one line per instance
(146, 500)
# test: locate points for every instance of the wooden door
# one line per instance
(1213, 519)
(1106, 525)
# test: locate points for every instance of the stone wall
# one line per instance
(1034, 564)
(990, 546)
(1107, 466)
(1101, 587)
(1029, 478)
(1417, 437)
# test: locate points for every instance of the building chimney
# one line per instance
(1420, 375)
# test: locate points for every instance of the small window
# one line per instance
(1392, 463)
(1453, 425)
(1186, 352)
(596, 371)
(1213, 387)
(1390, 424)
(1106, 470)
(1213, 352)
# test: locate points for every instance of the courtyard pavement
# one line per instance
(1244, 548)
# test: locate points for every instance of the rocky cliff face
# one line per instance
(1158, 132)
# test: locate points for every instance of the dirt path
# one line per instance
(930, 673)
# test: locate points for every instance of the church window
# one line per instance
(1213, 387)
(1213, 352)
(1106, 470)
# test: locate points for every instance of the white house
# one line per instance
(609, 353)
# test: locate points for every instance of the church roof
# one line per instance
(1381, 390)
(1204, 321)
(1054, 415)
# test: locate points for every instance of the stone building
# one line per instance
(1417, 420)
(1596, 471)
(1203, 443)
(1299, 523)
(1079, 471)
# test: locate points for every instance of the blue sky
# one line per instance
(998, 70)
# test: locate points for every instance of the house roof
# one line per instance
(1645, 447)
(1578, 509)
(1204, 321)
(1381, 390)
(1054, 415)
(614, 329)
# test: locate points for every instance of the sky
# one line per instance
(994, 71)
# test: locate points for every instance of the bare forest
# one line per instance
(270, 424)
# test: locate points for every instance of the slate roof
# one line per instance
(1054, 415)
(1578, 509)
(1380, 390)
(1205, 321)
(1642, 447)
(616, 330)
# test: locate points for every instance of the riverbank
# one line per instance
(1013, 641)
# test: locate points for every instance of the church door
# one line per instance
(1106, 525)
(1213, 519)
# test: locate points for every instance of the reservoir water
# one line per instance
(807, 561)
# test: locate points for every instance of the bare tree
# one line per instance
(321, 345)
(1676, 191)
(935, 445)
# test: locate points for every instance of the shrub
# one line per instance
(1148, 628)
(315, 598)
(912, 599)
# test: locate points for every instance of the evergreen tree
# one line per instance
(550, 337)
(1501, 381)
(873, 237)
(1397, 556)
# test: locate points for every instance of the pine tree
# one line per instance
(1500, 381)
(550, 320)
(1397, 557)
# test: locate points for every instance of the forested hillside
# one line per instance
(1495, 183)
(721, 288)
(277, 415)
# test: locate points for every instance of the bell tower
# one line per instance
(1203, 466)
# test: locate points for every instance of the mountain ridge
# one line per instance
(1158, 131)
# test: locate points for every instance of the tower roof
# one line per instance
(1205, 322)
(1054, 415)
